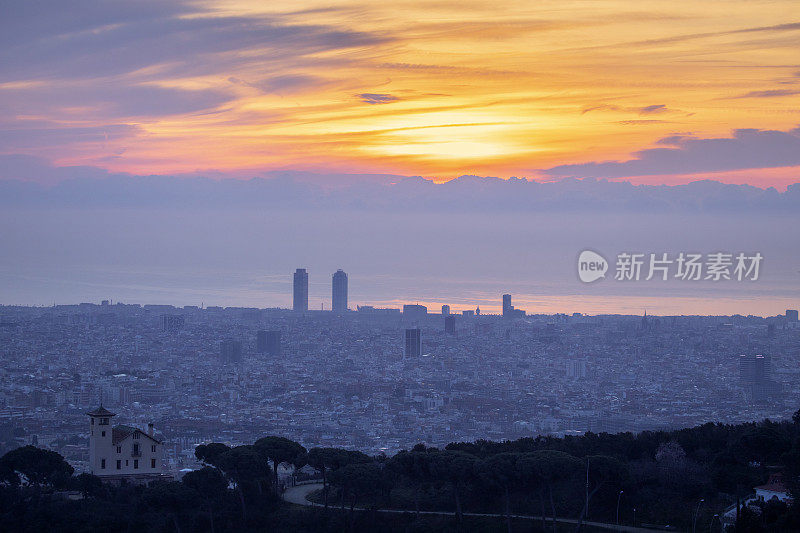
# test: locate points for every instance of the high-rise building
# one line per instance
(412, 312)
(339, 291)
(413, 343)
(268, 342)
(172, 322)
(230, 351)
(791, 315)
(300, 302)
(576, 368)
(509, 311)
(755, 372)
(754, 368)
(445, 310)
(507, 307)
(261, 341)
(450, 324)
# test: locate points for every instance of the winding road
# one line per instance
(299, 495)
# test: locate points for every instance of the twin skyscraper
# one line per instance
(339, 291)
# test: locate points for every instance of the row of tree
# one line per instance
(665, 476)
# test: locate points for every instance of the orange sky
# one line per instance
(418, 88)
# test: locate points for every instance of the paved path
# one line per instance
(299, 496)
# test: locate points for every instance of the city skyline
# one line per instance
(355, 266)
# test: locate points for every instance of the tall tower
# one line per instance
(300, 303)
(339, 291)
(507, 307)
(450, 325)
(413, 343)
(269, 342)
(101, 445)
(230, 351)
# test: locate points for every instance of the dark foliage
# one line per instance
(663, 475)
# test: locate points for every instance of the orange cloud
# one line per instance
(410, 88)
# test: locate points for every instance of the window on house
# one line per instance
(119, 449)
(135, 464)
(102, 463)
(152, 463)
(119, 464)
(92, 421)
(104, 421)
(136, 449)
(153, 448)
(103, 434)
(135, 435)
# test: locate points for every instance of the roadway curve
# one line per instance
(299, 495)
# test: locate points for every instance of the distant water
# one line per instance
(246, 258)
(236, 289)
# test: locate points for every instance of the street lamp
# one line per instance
(696, 512)
(634, 517)
(619, 496)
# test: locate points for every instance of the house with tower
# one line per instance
(121, 452)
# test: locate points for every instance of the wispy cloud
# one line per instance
(189, 85)
(376, 98)
(641, 121)
(653, 109)
(746, 148)
(645, 110)
(769, 93)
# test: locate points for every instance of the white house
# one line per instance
(122, 452)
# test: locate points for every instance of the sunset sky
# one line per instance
(656, 92)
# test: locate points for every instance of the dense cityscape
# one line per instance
(399, 267)
(379, 380)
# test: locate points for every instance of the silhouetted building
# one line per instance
(261, 341)
(755, 373)
(339, 291)
(507, 307)
(450, 324)
(273, 342)
(509, 311)
(576, 368)
(413, 312)
(300, 302)
(791, 315)
(754, 368)
(413, 343)
(268, 342)
(386, 311)
(230, 351)
(172, 322)
(445, 310)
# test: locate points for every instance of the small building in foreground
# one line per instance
(123, 453)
